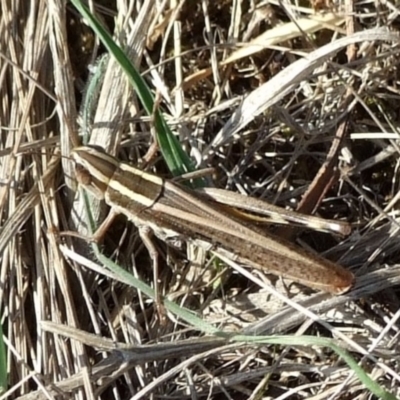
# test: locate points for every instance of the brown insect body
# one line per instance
(172, 210)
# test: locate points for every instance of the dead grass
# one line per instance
(319, 135)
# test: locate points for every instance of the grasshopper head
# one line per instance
(94, 168)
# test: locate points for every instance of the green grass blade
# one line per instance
(369, 383)
(125, 277)
(177, 160)
(3, 363)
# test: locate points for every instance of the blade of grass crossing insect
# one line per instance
(127, 278)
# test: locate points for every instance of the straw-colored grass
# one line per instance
(293, 103)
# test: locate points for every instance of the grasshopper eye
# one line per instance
(93, 169)
(83, 175)
(89, 182)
